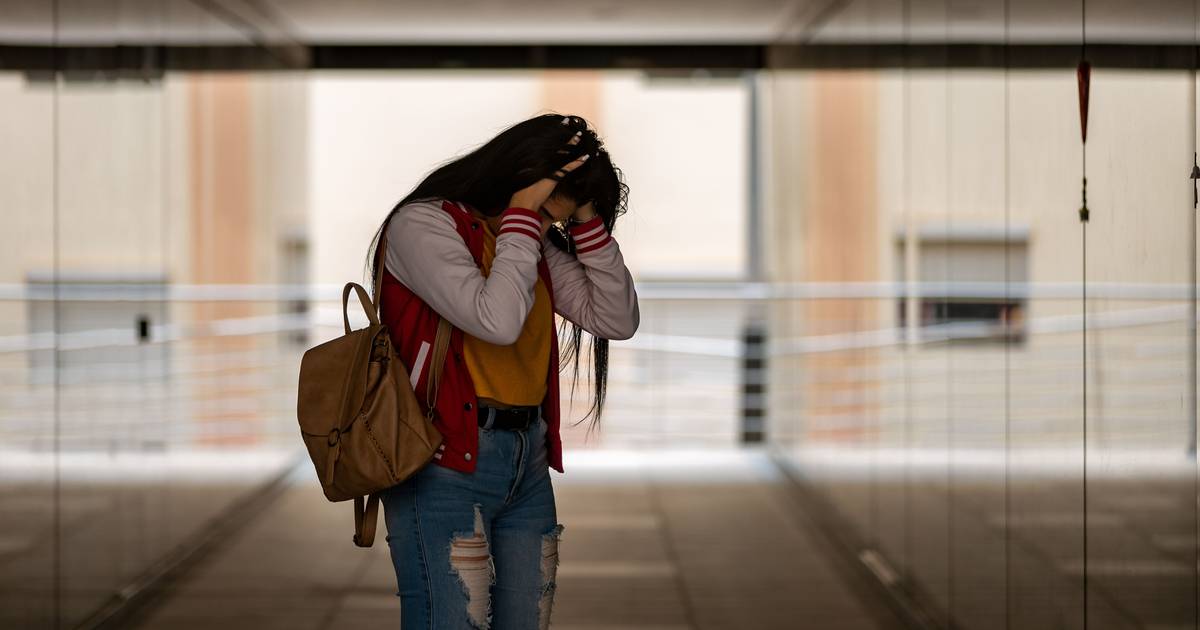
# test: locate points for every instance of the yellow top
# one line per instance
(515, 374)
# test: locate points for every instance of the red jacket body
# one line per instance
(413, 325)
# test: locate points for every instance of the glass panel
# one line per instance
(971, 464)
(147, 352)
(27, 357)
(238, 246)
(1141, 500)
(1044, 510)
(112, 285)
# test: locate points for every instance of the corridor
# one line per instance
(704, 540)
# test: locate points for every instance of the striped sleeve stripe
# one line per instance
(590, 235)
(583, 238)
(520, 229)
(518, 219)
(594, 246)
(584, 243)
(522, 221)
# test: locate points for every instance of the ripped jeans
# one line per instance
(477, 550)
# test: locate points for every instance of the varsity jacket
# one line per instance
(432, 267)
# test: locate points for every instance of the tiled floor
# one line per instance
(694, 540)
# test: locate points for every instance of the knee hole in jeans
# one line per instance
(471, 561)
(549, 575)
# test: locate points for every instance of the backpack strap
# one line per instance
(380, 258)
(441, 345)
(362, 299)
(441, 342)
(366, 515)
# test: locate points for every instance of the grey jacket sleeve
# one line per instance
(426, 254)
(594, 289)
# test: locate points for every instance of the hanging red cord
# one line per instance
(1083, 75)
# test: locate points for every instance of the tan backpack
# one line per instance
(359, 417)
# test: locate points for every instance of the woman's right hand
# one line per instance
(533, 196)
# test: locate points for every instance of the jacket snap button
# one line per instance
(474, 226)
(467, 406)
(467, 456)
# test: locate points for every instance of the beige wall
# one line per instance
(683, 146)
(26, 179)
(196, 178)
(838, 173)
(143, 169)
(680, 143)
(823, 226)
(856, 158)
(1136, 191)
(375, 135)
(106, 151)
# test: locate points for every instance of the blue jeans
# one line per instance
(477, 550)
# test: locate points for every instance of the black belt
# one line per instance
(512, 419)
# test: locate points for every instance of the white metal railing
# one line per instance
(325, 316)
(674, 290)
(668, 374)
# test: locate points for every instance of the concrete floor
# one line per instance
(696, 540)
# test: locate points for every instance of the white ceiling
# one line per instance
(103, 22)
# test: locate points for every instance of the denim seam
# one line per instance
(524, 450)
(424, 558)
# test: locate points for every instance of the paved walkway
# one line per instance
(695, 540)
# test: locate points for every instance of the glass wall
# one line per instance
(993, 399)
(149, 337)
(27, 405)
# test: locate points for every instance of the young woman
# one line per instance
(497, 242)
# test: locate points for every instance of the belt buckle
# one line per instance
(494, 416)
(511, 418)
(493, 420)
(524, 416)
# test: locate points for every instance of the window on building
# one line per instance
(969, 284)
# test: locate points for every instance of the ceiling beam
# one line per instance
(150, 61)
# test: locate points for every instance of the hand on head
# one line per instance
(539, 196)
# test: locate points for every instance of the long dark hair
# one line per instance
(487, 177)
